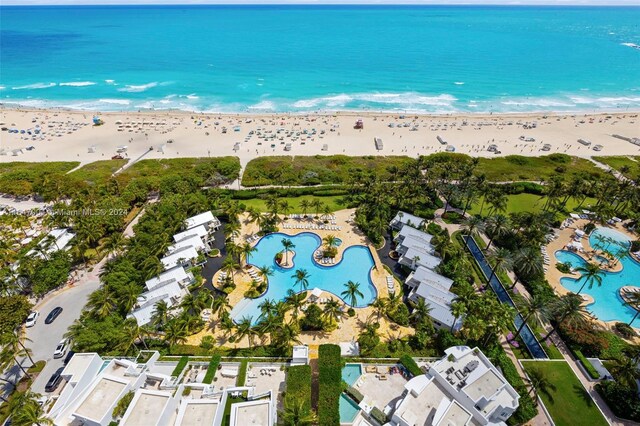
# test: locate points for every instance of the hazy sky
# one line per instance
(501, 2)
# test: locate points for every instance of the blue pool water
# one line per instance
(355, 266)
(348, 409)
(351, 373)
(607, 305)
(436, 59)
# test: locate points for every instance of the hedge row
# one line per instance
(330, 385)
(242, 373)
(622, 400)
(318, 191)
(299, 385)
(586, 364)
(211, 370)
(410, 365)
(182, 363)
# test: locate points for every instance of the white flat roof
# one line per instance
(191, 240)
(422, 274)
(101, 398)
(177, 273)
(200, 231)
(200, 219)
(186, 253)
(256, 413)
(406, 218)
(146, 408)
(78, 365)
(197, 412)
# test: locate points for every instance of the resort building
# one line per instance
(463, 388)
(170, 286)
(184, 256)
(190, 241)
(92, 388)
(403, 218)
(200, 231)
(434, 289)
(57, 239)
(206, 219)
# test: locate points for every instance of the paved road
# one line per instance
(46, 337)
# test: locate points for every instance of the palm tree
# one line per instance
(220, 306)
(296, 413)
(527, 261)
(295, 302)
(540, 383)
(265, 272)
(632, 298)
(26, 411)
(625, 370)
(332, 310)
(317, 205)
(591, 274)
(502, 260)
(160, 315)
(132, 332)
(352, 292)
(304, 206)
(302, 278)
(115, 243)
(380, 307)
(458, 309)
(231, 229)
(244, 328)
(288, 245)
(229, 266)
(246, 250)
(567, 309)
(472, 225)
(175, 332)
(15, 342)
(497, 227)
(8, 354)
(330, 240)
(533, 310)
(421, 310)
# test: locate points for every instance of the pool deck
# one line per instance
(566, 236)
(349, 327)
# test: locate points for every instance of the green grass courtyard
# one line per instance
(569, 403)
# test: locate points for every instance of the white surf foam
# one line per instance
(131, 88)
(458, 83)
(263, 106)
(115, 101)
(34, 86)
(635, 46)
(192, 96)
(110, 81)
(78, 83)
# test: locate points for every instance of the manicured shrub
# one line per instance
(242, 373)
(586, 364)
(400, 315)
(299, 385)
(329, 385)
(207, 342)
(378, 415)
(625, 330)
(182, 363)
(355, 394)
(622, 400)
(211, 369)
(410, 365)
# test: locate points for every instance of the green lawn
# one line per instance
(516, 167)
(527, 203)
(569, 404)
(617, 162)
(332, 201)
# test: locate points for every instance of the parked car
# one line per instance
(53, 315)
(68, 357)
(61, 349)
(32, 319)
(117, 157)
(54, 381)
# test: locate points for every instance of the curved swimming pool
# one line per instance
(607, 305)
(356, 265)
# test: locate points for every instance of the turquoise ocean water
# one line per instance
(436, 59)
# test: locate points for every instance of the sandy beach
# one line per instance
(71, 136)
